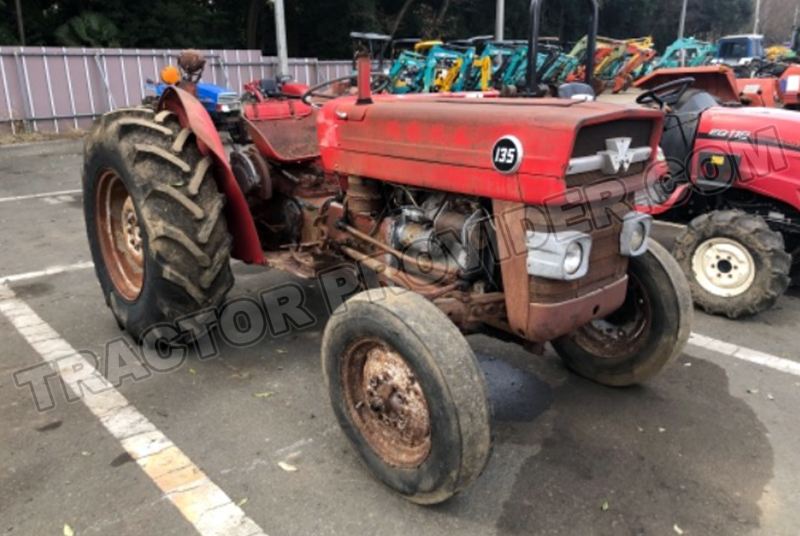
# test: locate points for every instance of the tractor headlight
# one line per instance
(638, 236)
(573, 258)
(635, 232)
(563, 255)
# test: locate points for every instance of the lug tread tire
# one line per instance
(187, 245)
(773, 263)
(433, 344)
(669, 294)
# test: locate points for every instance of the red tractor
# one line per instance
(734, 179)
(450, 215)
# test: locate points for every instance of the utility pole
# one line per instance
(20, 26)
(758, 13)
(796, 9)
(280, 34)
(681, 28)
(500, 20)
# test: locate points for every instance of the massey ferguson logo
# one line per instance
(618, 156)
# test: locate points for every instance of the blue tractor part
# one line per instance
(223, 105)
(745, 54)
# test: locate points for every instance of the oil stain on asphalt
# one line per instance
(679, 452)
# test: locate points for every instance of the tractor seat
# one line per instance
(269, 87)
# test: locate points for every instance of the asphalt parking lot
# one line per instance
(710, 447)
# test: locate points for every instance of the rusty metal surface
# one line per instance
(386, 402)
(624, 331)
(192, 62)
(548, 321)
(287, 140)
(120, 235)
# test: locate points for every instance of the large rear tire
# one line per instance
(637, 341)
(408, 393)
(736, 265)
(154, 219)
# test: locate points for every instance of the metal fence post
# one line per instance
(24, 91)
(104, 78)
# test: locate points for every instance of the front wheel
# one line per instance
(736, 265)
(408, 393)
(639, 339)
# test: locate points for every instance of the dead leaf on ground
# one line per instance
(242, 502)
(192, 371)
(265, 394)
(68, 530)
(752, 391)
(604, 506)
(289, 468)
(677, 529)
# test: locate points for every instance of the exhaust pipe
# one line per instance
(364, 66)
(531, 78)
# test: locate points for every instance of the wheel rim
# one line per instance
(120, 235)
(723, 267)
(386, 403)
(623, 332)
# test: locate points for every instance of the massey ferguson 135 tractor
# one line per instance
(734, 179)
(461, 215)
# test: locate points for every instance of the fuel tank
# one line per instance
(507, 149)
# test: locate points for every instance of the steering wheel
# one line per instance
(666, 94)
(378, 83)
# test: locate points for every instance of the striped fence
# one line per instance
(46, 89)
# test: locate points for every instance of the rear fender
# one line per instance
(192, 115)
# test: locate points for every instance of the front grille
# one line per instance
(228, 98)
(592, 139)
(585, 179)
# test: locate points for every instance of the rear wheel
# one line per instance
(736, 265)
(646, 334)
(154, 220)
(408, 393)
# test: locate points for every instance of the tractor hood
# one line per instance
(768, 126)
(512, 149)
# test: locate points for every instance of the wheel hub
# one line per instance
(120, 235)
(723, 267)
(623, 332)
(132, 231)
(387, 403)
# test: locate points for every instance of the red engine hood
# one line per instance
(447, 143)
(763, 142)
(771, 125)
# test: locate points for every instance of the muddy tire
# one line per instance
(736, 265)
(633, 344)
(408, 393)
(155, 220)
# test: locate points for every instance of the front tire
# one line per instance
(736, 265)
(408, 393)
(650, 329)
(154, 220)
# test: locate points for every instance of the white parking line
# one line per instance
(745, 354)
(46, 272)
(39, 196)
(199, 500)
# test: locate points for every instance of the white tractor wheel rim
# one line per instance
(723, 267)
